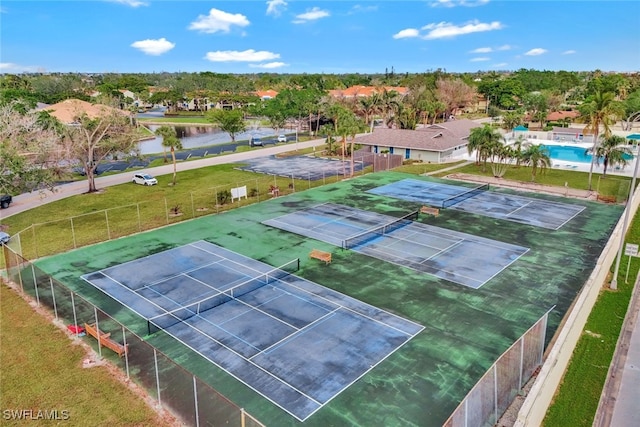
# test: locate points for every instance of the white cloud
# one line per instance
(535, 52)
(504, 47)
(447, 29)
(154, 47)
(500, 65)
(407, 33)
(132, 3)
(362, 9)
(218, 20)
(454, 3)
(482, 50)
(312, 15)
(568, 52)
(269, 65)
(275, 7)
(249, 55)
(480, 59)
(10, 67)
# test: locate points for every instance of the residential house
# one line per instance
(433, 144)
(359, 91)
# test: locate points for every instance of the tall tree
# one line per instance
(600, 110)
(92, 138)
(31, 153)
(454, 94)
(482, 140)
(171, 141)
(230, 121)
(613, 151)
(537, 157)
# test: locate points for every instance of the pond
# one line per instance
(199, 136)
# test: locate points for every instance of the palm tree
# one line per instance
(171, 141)
(517, 148)
(481, 139)
(537, 157)
(601, 110)
(613, 152)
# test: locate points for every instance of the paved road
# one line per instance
(27, 201)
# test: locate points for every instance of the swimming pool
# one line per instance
(568, 153)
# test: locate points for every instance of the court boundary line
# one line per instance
(279, 380)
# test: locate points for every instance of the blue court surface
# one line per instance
(457, 257)
(520, 209)
(293, 341)
(301, 167)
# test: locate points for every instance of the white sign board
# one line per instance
(238, 193)
(631, 249)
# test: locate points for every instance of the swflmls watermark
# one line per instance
(35, 414)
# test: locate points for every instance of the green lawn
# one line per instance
(577, 399)
(41, 370)
(609, 185)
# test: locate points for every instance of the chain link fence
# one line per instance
(496, 390)
(190, 399)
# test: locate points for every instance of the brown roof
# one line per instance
(66, 111)
(433, 138)
(365, 91)
(270, 93)
(454, 128)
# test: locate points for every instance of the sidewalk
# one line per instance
(28, 201)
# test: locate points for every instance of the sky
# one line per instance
(315, 36)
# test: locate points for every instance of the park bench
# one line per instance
(321, 255)
(429, 210)
(105, 339)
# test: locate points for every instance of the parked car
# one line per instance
(5, 201)
(255, 141)
(144, 179)
(282, 138)
(4, 238)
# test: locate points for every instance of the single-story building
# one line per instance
(434, 144)
(570, 135)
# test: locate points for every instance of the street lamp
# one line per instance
(614, 281)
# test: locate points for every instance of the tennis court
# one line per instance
(478, 200)
(293, 341)
(301, 167)
(458, 257)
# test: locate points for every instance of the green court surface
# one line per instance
(466, 329)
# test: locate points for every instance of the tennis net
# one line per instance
(463, 196)
(182, 314)
(373, 233)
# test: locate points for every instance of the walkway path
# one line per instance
(27, 201)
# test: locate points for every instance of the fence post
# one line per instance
(53, 296)
(35, 241)
(166, 210)
(73, 233)
(139, 220)
(95, 314)
(495, 391)
(106, 216)
(35, 283)
(75, 317)
(126, 351)
(193, 206)
(155, 361)
(195, 400)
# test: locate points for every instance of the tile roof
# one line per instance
(365, 91)
(440, 137)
